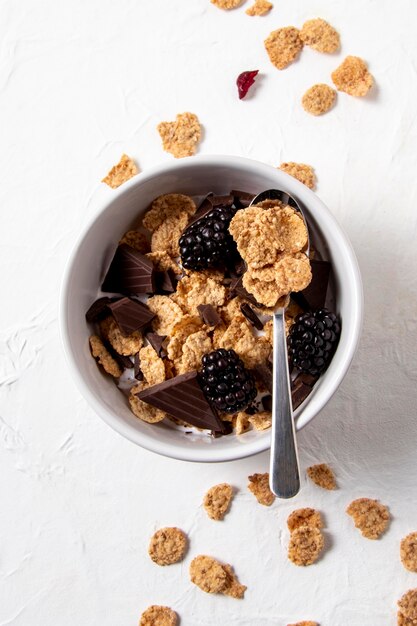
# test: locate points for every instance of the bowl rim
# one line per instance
(210, 454)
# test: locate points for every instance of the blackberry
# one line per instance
(312, 341)
(207, 242)
(226, 383)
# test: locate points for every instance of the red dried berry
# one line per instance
(245, 81)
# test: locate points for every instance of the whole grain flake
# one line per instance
(318, 99)
(259, 486)
(353, 77)
(408, 552)
(168, 546)
(120, 173)
(283, 46)
(304, 517)
(158, 616)
(261, 7)
(408, 605)
(306, 544)
(142, 410)
(103, 357)
(165, 206)
(217, 501)
(212, 576)
(320, 35)
(181, 137)
(227, 5)
(322, 476)
(370, 517)
(301, 171)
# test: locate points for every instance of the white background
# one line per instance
(80, 83)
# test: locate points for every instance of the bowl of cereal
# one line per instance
(166, 306)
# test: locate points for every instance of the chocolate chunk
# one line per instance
(263, 373)
(156, 342)
(130, 272)
(228, 429)
(267, 403)
(166, 282)
(99, 309)
(183, 398)
(237, 288)
(137, 371)
(299, 392)
(205, 207)
(314, 296)
(209, 315)
(240, 267)
(253, 408)
(221, 200)
(131, 315)
(307, 379)
(242, 198)
(251, 316)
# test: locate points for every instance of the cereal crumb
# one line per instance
(318, 99)
(322, 476)
(153, 367)
(302, 172)
(259, 486)
(136, 240)
(167, 546)
(304, 517)
(181, 137)
(408, 605)
(320, 35)
(121, 172)
(128, 346)
(370, 516)
(103, 356)
(305, 545)
(158, 616)
(227, 4)
(408, 552)
(261, 7)
(165, 238)
(261, 420)
(283, 46)
(165, 206)
(353, 77)
(217, 500)
(208, 574)
(142, 410)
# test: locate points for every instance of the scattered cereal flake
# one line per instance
(239, 337)
(233, 587)
(103, 356)
(208, 574)
(408, 552)
(163, 262)
(261, 7)
(352, 77)
(304, 624)
(305, 545)
(402, 620)
(158, 616)
(121, 172)
(320, 35)
(127, 346)
(261, 420)
(165, 238)
(196, 289)
(181, 137)
(167, 546)
(301, 171)
(322, 476)
(165, 206)
(408, 604)
(195, 347)
(187, 325)
(227, 4)
(144, 411)
(304, 517)
(137, 240)
(152, 367)
(318, 100)
(217, 500)
(259, 486)
(167, 312)
(283, 46)
(241, 423)
(370, 516)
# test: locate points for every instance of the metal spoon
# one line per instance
(284, 473)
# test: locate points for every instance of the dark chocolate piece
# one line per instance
(238, 289)
(264, 374)
(251, 316)
(205, 207)
(307, 379)
(156, 342)
(131, 315)
(137, 371)
(228, 429)
(221, 200)
(166, 282)
(267, 403)
(130, 272)
(314, 296)
(183, 398)
(242, 198)
(299, 392)
(99, 309)
(209, 315)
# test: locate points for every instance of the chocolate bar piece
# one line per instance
(166, 282)
(183, 398)
(130, 272)
(242, 198)
(99, 309)
(251, 316)
(299, 392)
(221, 200)
(137, 371)
(156, 342)
(130, 315)
(314, 296)
(209, 315)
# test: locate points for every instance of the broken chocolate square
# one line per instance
(209, 315)
(251, 316)
(299, 392)
(130, 272)
(156, 342)
(99, 309)
(166, 282)
(131, 315)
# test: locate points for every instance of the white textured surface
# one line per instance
(80, 82)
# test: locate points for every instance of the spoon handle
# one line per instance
(284, 473)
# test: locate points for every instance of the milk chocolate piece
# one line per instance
(242, 198)
(156, 342)
(264, 374)
(267, 402)
(183, 398)
(299, 392)
(209, 315)
(314, 296)
(238, 289)
(99, 309)
(130, 272)
(251, 316)
(131, 315)
(137, 371)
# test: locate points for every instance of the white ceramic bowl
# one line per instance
(95, 248)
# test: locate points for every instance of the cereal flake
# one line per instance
(103, 356)
(305, 545)
(181, 137)
(259, 486)
(142, 410)
(167, 546)
(233, 587)
(408, 604)
(408, 552)
(163, 262)
(283, 46)
(304, 624)
(261, 7)
(239, 336)
(261, 420)
(208, 574)
(353, 77)
(195, 289)
(322, 476)
(165, 238)
(158, 616)
(128, 346)
(195, 347)
(152, 367)
(227, 5)
(301, 171)
(304, 517)
(136, 240)
(167, 312)
(241, 423)
(217, 500)
(121, 172)
(185, 326)
(318, 100)
(402, 620)
(370, 516)
(165, 206)
(320, 35)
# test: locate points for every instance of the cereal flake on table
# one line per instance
(158, 616)
(121, 172)
(227, 5)
(408, 552)
(370, 517)
(212, 576)
(301, 171)
(261, 7)
(402, 620)
(217, 501)
(168, 546)
(181, 137)
(283, 46)
(103, 357)
(259, 486)
(304, 517)
(306, 544)
(408, 606)
(322, 476)
(304, 624)
(320, 35)
(318, 99)
(353, 77)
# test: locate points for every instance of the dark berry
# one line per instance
(313, 340)
(229, 386)
(208, 243)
